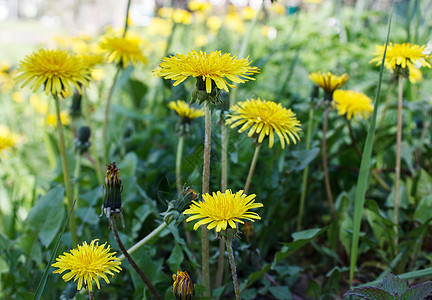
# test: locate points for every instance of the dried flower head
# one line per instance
(113, 189)
(87, 263)
(221, 210)
(265, 117)
(183, 287)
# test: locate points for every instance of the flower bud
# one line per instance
(113, 188)
(183, 287)
(177, 206)
(75, 109)
(82, 143)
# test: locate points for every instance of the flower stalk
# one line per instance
(66, 174)
(324, 159)
(233, 268)
(252, 167)
(106, 118)
(398, 154)
(179, 156)
(130, 260)
(91, 295)
(205, 190)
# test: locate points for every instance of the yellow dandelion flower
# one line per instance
(182, 16)
(87, 263)
(353, 104)
(328, 81)
(57, 70)
(414, 73)
(248, 13)
(65, 119)
(7, 140)
(221, 210)
(234, 22)
(201, 40)
(211, 67)
(185, 111)
(401, 55)
(214, 23)
(41, 106)
(200, 6)
(183, 287)
(277, 8)
(18, 97)
(123, 50)
(265, 117)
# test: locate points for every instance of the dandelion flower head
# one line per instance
(220, 210)
(328, 81)
(57, 70)
(183, 287)
(402, 55)
(7, 140)
(353, 104)
(264, 118)
(123, 50)
(87, 263)
(184, 110)
(210, 67)
(51, 119)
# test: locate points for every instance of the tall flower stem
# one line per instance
(127, 18)
(91, 295)
(324, 159)
(398, 154)
(233, 268)
(145, 240)
(306, 170)
(105, 123)
(205, 189)
(77, 173)
(179, 155)
(66, 174)
(131, 261)
(95, 155)
(224, 180)
(252, 168)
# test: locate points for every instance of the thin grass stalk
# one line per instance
(106, 118)
(398, 155)
(66, 174)
(145, 240)
(98, 168)
(224, 180)
(131, 261)
(126, 26)
(179, 156)
(205, 189)
(362, 181)
(306, 169)
(324, 160)
(233, 268)
(252, 168)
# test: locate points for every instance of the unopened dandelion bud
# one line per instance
(176, 207)
(183, 287)
(75, 109)
(113, 189)
(82, 143)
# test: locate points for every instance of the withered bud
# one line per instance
(183, 287)
(113, 189)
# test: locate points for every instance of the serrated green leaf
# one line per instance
(370, 293)
(393, 285)
(419, 291)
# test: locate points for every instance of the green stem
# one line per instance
(180, 147)
(252, 168)
(91, 295)
(233, 269)
(145, 240)
(105, 123)
(306, 170)
(205, 189)
(398, 154)
(224, 184)
(98, 168)
(131, 261)
(127, 18)
(66, 174)
(245, 42)
(77, 173)
(324, 160)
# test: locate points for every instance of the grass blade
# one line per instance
(39, 290)
(362, 182)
